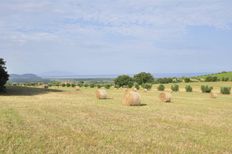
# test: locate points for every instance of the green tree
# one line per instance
(124, 81)
(3, 74)
(143, 78)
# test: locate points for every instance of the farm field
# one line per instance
(63, 120)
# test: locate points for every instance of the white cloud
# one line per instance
(93, 20)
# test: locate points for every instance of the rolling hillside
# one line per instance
(220, 75)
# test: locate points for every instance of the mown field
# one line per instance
(63, 120)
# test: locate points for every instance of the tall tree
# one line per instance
(143, 78)
(3, 74)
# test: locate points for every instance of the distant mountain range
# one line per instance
(25, 78)
(51, 76)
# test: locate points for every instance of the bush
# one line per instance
(107, 86)
(92, 85)
(187, 80)
(63, 85)
(225, 79)
(99, 86)
(161, 87)
(164, 80)
(225, 90)
(175, 87)
(143, 78)
(206, 89)
(73, 85)
(124, 81)
(137, 86)
(116, 86)
(147, 86)
(188, 88)
(86, 85)
(68, 84)
(211, 79)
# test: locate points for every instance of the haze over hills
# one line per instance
(25, 78)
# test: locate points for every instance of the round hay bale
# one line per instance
(165, 97)
(145, 90)
(101, 94)
(135, 89)
(213, 95)
(132, 98)
(78, 88)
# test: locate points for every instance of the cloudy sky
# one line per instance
(116, 36)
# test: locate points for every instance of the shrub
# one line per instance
(164, 80)
(73, 85)
(187, 80)
(86, 85)
(147, 86)
(124, 81)
(211, 79)
(188, 88)
(225, 79)
(116, 86)
(175, 87)
(68, 84)
(143, 78)
(161, 87)
(63, 85)
(137, 86)
(206, 89)
(99, 86)
(225, 90)
(80, 84)
(92, 85)
(107, 86)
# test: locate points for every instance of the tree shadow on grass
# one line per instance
(27, 91)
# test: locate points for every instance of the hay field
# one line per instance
(62, 120)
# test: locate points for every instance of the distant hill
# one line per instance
(25, 78)
(220, 75)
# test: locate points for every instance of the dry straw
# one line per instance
(165, 97)
(78, 88)
(213, 95)
(132, 98)
(101, 94)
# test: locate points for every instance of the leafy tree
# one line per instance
(124, 81)
(147, 86)
(143, 78)
(3, 75)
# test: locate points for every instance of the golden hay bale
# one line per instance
(165, 97)
(145, 90)
(101, 94)
(213, 95)
(135, 89)
(78, 88)
(132, 98)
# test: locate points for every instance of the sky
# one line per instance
(92, 37)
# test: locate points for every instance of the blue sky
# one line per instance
(116, 37)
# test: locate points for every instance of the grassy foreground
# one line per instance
(68, 121)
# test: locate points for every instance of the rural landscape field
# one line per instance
(63, 120)
(115, 77)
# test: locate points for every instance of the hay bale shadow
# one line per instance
(140, 105)
(27, 91)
